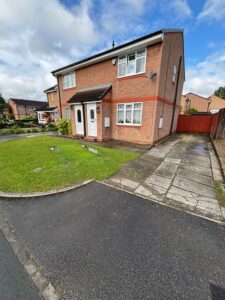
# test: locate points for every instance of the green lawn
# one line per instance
(70, 164)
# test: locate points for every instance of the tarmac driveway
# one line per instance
(97, 242)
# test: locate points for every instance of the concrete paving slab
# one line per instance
(195, 177)
(166, 170)
(129, 183)
(156, 190)
(202, 159)
(180, 192)
(176, 161)
(158, 180)
(208, 207)
(195, 187)
(159, 197)
(207, 199)
(194, 161)
(197, 169)
(183, 200)
(143, 191)
(223, 211)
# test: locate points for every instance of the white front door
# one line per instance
(79, 122)
(92, 120)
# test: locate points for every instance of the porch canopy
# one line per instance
(46, 108)
(91, 94)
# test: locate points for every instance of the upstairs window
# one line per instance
(131, 64)
(69, 80)
(174, 73)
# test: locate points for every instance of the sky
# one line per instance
(38, 36)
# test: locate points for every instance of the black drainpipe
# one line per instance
(60, 105)
(175, 96)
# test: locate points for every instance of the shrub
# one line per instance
(70, 128)
(50, 127)
(15, 126)
(11, 117)
(18, 131)
(34, 130)
(192, 110)
(62, 126)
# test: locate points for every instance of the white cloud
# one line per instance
(180, 8)
(35, 38)
(206, 76)
(38, 36)
(212, 10)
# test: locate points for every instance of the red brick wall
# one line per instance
(53, 99)
(13, 109)
(197, 102)
(217, 103)
(172, 49)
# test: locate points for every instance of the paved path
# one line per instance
(180, 172)
(98, 242)
(14, 281)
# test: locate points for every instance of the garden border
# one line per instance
(47, 193)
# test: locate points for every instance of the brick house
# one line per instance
(211, 104)
(216, 103)
(191, 100)
(129, 93)
(49, 113)
(21, 108)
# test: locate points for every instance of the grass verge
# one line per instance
(220, 195)
(29, 164)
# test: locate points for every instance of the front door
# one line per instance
(91, 118)
(79, 122)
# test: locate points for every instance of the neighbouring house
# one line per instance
(202, 104)
(191, 100)
(21, 108)
(49, 113)
(216, 103)
(129, 93)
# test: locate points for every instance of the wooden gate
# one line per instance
(196, 123)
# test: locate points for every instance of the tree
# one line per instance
(220, 92)
(3, 105)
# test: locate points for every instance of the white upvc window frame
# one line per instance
(67, 113)
(73, 81)
(132, 113)
(125, 57)
(174, 73)
(22, 109)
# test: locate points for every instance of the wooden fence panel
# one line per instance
(194, 123)
(220, 131)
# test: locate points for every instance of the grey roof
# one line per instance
(26, 102)
(165, 30)
(51, 89)
(46, 108)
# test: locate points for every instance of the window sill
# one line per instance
(131, 76)
(128, 125)
(69, 88)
